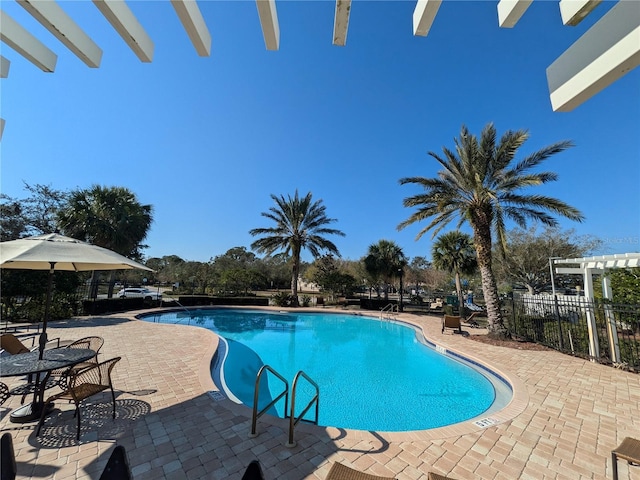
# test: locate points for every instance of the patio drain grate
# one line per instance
(216, 395)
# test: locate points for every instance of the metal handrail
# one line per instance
(389, 308)
(294, 421)
(256, 394)
(183, 308)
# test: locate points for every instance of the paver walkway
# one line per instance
(573, 414)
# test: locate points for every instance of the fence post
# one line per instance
(594, 346)
(513, 314)
(612, 329)
(556, 312)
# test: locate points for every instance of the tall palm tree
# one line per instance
(110, 217)
(454, 253)
(385, 260)
(481, 184)
(299, 223)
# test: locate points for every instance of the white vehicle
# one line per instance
(139, 293)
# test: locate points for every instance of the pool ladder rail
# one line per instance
(390, 310)
(293, 421)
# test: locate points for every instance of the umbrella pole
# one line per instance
(47, 309)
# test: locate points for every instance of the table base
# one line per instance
(28, 413)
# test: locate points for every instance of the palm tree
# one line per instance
(385, 260)
(454, 253)
(299, 223)
(110, 217)
(481, 185)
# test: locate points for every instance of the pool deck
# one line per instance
(566, 417)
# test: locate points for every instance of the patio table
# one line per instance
(29, 363)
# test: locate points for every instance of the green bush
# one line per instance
(306, 300)
(282, 299)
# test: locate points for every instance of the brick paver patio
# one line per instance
(567, 416)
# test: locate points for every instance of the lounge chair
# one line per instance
(470, 320)
(12, 344)
(82, 384)
(342, 472)
(451, 322)
(628, 450)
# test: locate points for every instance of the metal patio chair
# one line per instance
(78, 385)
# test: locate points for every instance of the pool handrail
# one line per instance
(256, 394)
(293, 421)
(389, 308)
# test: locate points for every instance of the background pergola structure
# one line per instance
(588, 267)
(608, 50)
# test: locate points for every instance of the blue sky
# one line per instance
(207, 140)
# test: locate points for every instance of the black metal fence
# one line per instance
(605, 332)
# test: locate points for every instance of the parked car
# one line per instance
(139, 293)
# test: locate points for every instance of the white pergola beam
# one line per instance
(574, 11)
(61, 26)
(269, 22)
(341, 22)
(423, 16)
(608, 50)
(126, 24)
(18, 38)
(4, 67)
(510, 11)
(193, 22)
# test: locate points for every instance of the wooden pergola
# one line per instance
(588, 267)
(608, 50)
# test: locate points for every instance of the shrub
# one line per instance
(282, 299)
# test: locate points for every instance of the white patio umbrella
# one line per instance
(56, 252)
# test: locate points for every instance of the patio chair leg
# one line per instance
(78, 433)
(614, 460)
(113, 400)
(44, 411)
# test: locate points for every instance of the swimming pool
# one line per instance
(372, 374)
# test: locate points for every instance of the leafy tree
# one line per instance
(480, 184)
(41, 208)
(276, 270)
(454, 253)
(418, 271)
(528, 254)
(327, 273)
(299, 223)
(625, 285)
(238, 270)
(383, 261)
(33, 215)
(12, 221)
(168, 269)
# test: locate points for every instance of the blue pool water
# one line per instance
(372, 374)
